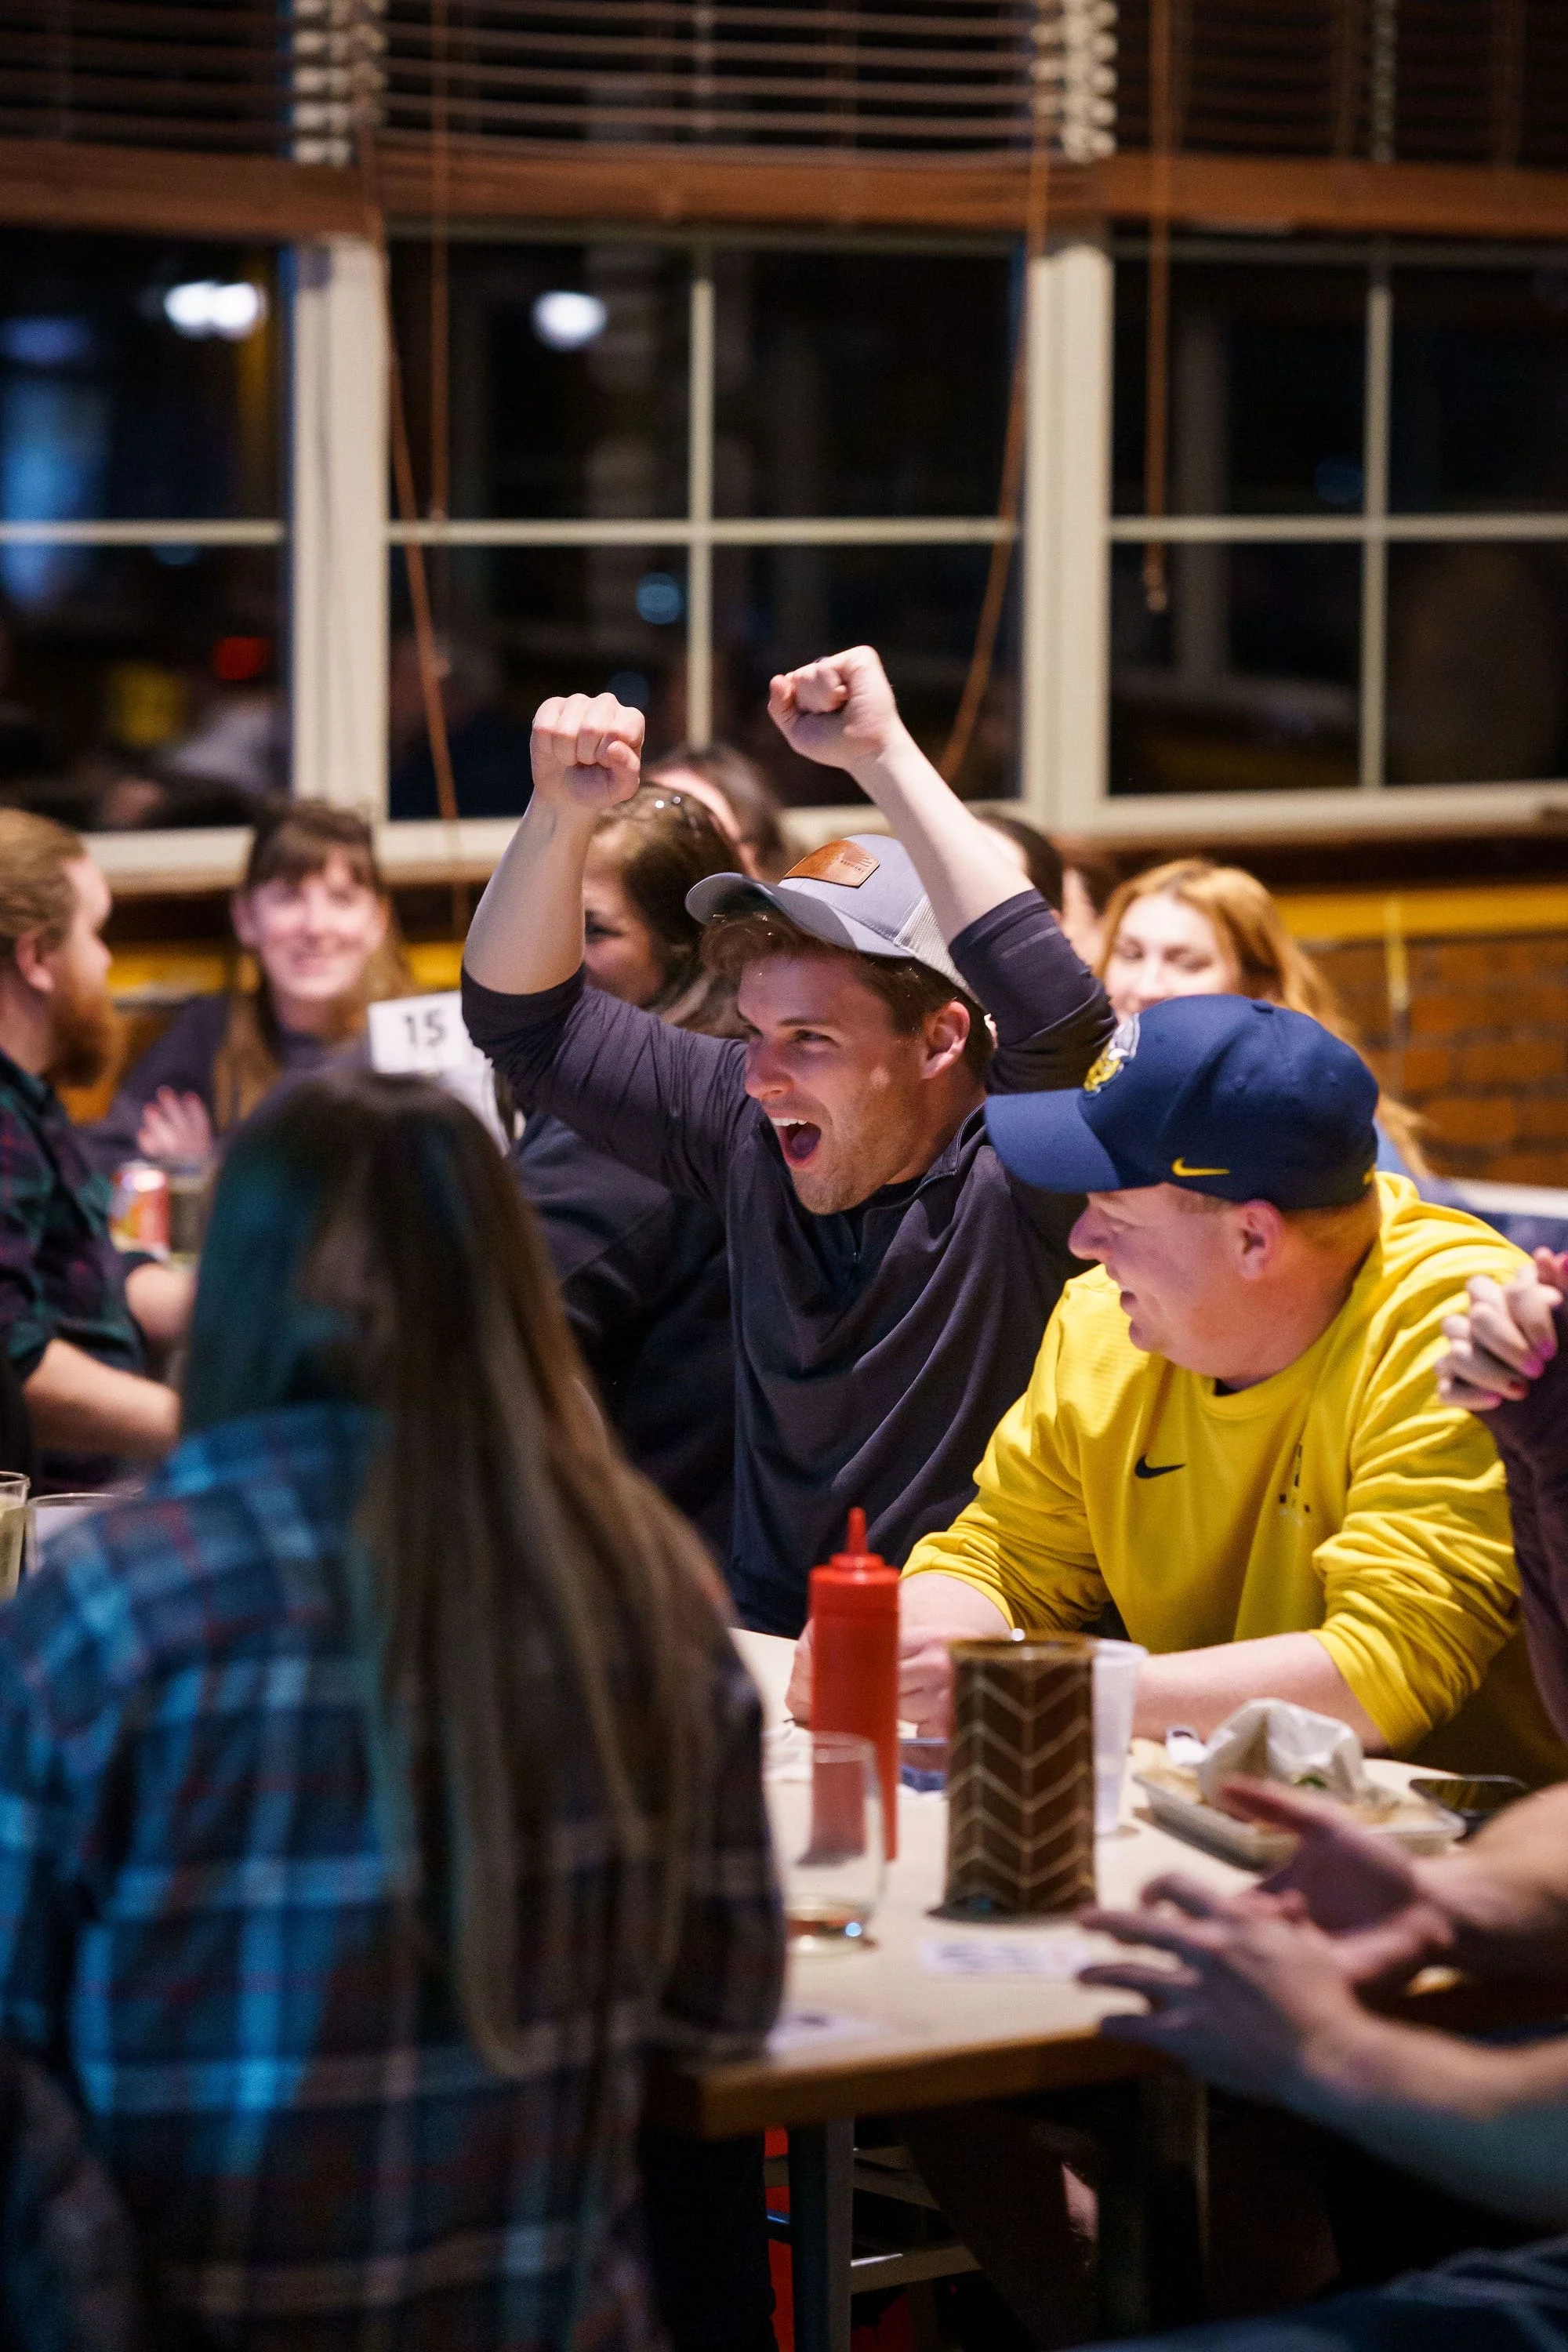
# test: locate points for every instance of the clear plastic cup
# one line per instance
(50, 1515)
(824, 1808)
(1117, 1665)
(13, 1528)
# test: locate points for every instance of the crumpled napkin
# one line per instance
(1270, 1740)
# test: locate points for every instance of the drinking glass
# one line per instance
(13, 1528)
(187, 1213)
(824, 1808)
(1117, 1665)
(49, 1516)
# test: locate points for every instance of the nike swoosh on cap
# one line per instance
(1180, 1167)
(1145, 1468)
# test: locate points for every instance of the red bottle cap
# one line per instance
(855, 1581)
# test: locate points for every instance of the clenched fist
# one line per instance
(586, 751)
(839, 710)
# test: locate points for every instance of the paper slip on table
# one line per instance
(932, 2013)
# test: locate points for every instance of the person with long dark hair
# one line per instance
(381, 1783)
(643, 1272)
(737, 795)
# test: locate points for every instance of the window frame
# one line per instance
(1373, 804)
(698, 532)
(338, 532)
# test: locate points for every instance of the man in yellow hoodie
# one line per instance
(1233, 1431)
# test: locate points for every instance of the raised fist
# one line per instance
(839, 710)
(586, 751)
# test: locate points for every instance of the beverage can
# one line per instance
(187, 1213)
(1020, 1780)
(139, 1208)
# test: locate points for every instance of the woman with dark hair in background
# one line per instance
(313, 911)
(1077, 885)
(382, 1782)
(642, 1271)
(736, 796)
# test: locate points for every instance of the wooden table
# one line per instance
(895, 2036)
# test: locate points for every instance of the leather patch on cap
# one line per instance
(837, 861)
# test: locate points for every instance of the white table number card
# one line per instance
(424, 1035)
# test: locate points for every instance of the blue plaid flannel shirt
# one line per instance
(198, 1929)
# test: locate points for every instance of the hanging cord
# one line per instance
(1157, 384)
(440, 271)
(1010, 499)
(407, 508)
(441, 375)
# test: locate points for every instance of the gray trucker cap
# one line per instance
(861, 893)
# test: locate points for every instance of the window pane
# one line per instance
(1247, 683)
(568, 377)
(138, 686)
(776, 607)
(138, 379)
(1267, 388)
(519, 624)
(1477, 663)
(1480, 382)
(862, 383)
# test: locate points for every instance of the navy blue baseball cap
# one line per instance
(1224, 1094)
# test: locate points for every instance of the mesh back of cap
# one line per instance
(919, 936)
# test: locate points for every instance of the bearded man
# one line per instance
(74, 1322)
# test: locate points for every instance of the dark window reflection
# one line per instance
(862, 383)
(1267, 377)
(518, 624)
(138, 380)
(775, 608)
(568, 377)
(1481, 387)
(145, 690)
(1247, 682)
(1477, 664)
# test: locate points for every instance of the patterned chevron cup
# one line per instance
(1020, 1781)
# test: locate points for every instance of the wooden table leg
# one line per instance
(1153, 2205)
(821, 2205)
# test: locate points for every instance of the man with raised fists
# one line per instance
(891, 1279)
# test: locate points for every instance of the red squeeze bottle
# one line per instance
(855, 1657)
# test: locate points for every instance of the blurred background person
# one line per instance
(739, 798)
(314, 912)
(1193, 928)
(488, 746)
(1040, 860)
(643, 1270)
(480, 1670)
(1078, 888)
(76, 1321)
(1089, 883)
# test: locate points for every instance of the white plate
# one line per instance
(1254, 1847)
